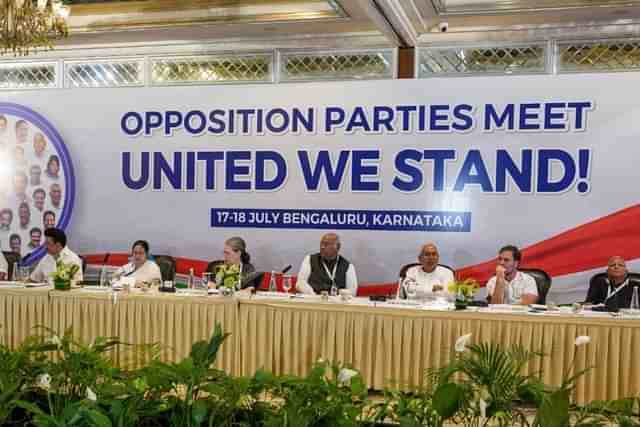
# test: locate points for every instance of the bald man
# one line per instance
(429, 276)
(616, 289)
(321, 270)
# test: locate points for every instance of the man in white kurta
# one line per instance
(429, 276)
(57, 250)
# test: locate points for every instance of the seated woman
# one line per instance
(236, 271)
(615, 290)
(141, 268)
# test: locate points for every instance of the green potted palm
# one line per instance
(63, 275)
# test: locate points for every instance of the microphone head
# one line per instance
(287, 268)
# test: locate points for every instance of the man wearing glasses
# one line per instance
(327, 269)
(510, 286)
(614, 290)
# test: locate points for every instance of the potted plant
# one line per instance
(464, 291)
(227, 277)
(63, 275)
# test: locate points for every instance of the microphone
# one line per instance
(284, 270)
(106, 258)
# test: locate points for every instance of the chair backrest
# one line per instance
(12, 258)
(543, 282)
(403, 270)
(167, 265)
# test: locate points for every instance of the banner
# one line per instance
(543, 162)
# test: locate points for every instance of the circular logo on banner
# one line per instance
(37, 183)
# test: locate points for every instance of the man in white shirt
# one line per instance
(320, 271)
(510, 286)
(429, 276)
(4, 267)
(56, 250)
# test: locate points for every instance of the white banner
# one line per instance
(471, 164)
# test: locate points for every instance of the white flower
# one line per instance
(461, 343)
(44, 381)
(345, 375)
(483, 408)
(91, 395)
(55, 340)
(582, 339)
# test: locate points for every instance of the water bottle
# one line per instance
(272, 282)
(334, 289)
(190, 283)
(635, 302)
(103, 277)
(14, 273)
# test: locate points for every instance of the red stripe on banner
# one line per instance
(585, 247)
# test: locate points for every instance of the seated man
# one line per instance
(429, 276)
(510, 286)
(56, 243)
(615, 290)
(319, 271)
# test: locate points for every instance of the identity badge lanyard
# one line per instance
(610, 294)
(332, 274)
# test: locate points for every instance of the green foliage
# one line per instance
(18, 369)
(330, 395)
(54, 381)
(491, 383)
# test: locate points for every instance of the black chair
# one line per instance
(403, 270)
(543, 282)
(167, 266)
(632, 276)
(12, 258)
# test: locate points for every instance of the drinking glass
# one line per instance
(286, 283)
(411, 288)
(207, 281)
(24, 274)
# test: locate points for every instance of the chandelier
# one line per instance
(27, 25)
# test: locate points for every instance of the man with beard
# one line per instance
(321, 271)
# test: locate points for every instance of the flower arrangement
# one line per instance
(464, 290)
(63, 275)
(227, 275)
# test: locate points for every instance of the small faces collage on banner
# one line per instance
(36, 180)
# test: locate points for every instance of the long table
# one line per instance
(389, 345)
